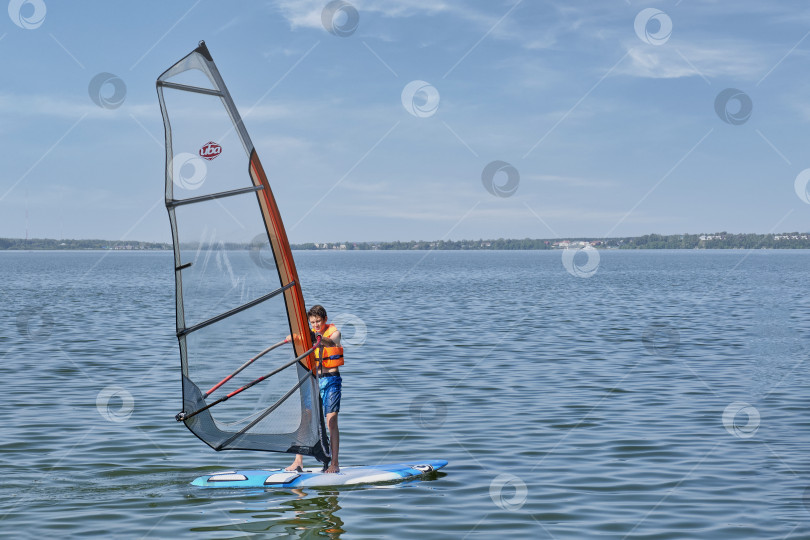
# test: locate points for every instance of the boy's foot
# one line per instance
(296, 464)
(331, 469)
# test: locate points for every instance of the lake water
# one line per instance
(645, 394)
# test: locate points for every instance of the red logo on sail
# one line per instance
(210, 150)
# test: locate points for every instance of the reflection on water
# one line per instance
(297, 514)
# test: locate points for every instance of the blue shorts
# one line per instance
(331, 389)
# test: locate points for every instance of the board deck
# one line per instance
(348, 476)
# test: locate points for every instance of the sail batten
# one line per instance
(189, 88)
(234, 311)
(211, 197)
(231, 300)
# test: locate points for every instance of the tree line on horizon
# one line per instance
(721, 240)
(51, 244)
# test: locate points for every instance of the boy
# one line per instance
(331, 383)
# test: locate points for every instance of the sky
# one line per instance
(421, 119)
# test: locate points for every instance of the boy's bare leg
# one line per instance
(334, 441)
(297, 464)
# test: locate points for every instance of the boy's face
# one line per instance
(317, 324)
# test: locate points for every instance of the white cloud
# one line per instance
(43, 105)
(403, 212)
(230, 24)
(572, 181)
(381, 189)
(48, 106)
(732, 60)
(801, 107)
(488, 218)
(284, 145)
(302, 13)
(307, 13)
(494, 22)
(57, 107)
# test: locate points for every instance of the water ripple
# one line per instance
(665, 397)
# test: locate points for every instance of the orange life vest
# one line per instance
(332, 356)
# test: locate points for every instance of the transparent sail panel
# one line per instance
(263, 430)
(216, 351)
(220, 348)
(192, 77)
(207, 154)
(225, 242)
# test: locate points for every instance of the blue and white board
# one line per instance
(348, 476)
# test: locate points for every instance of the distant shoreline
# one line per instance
(721, 240)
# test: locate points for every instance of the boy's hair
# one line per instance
(317, 311)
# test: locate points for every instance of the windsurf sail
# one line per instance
(236, 286)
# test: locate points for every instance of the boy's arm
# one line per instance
(336, 337)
